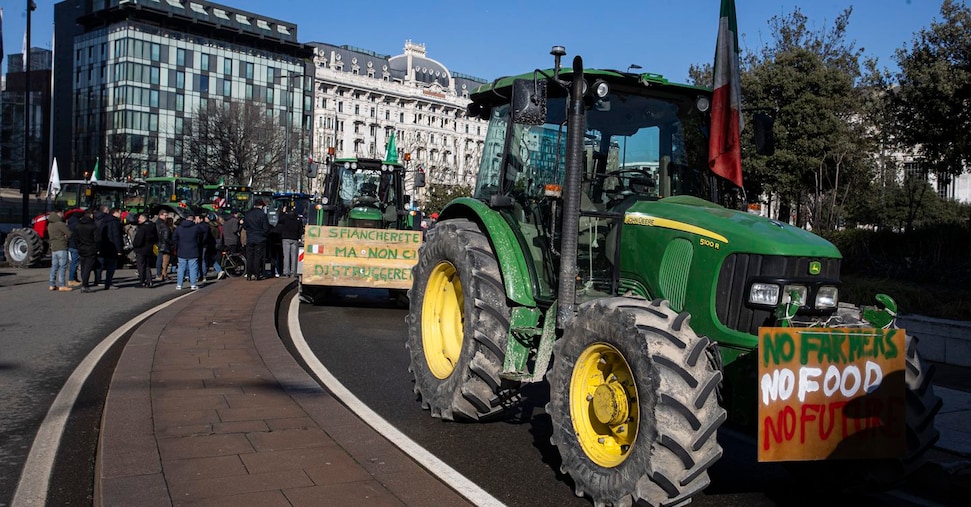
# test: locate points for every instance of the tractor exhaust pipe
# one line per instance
(570, 229)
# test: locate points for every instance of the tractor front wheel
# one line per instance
(457, 326)
(633, 403)
(23, 248)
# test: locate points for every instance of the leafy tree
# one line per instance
(239, 142)
(808, 79)
(440, 195)
(932, 104)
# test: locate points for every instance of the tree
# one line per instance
(440, 195)
(240, 142)
(122, 160)
(808, 79)
(932, 104)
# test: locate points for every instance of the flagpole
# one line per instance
(26, 183)
(50, 112)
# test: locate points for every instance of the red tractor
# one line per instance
(27, 247)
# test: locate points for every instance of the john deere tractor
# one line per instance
(595, 255)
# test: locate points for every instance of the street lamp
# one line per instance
(633, 66)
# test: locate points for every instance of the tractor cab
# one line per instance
(364, 193)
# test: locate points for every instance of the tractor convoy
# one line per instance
(595, 255)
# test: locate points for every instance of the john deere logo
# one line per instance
(815, 268)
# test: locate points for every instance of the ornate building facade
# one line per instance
(361, 98)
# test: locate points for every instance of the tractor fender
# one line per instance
(512, 263)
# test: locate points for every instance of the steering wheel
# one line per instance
(629, 182)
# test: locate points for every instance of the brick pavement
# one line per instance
(207, 407)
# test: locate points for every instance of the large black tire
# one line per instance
(457, 326)
(633, 403)
(23, 248)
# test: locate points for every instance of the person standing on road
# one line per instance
(188, 244)
(111, 247)
(257, 227)
(146, 238)
(58, 235)
(290, 228)
(72, 250)
(164, 237)
(230, 233)
(87, 238)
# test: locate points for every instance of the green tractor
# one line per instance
(594, 254)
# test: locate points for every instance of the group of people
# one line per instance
(92, 241)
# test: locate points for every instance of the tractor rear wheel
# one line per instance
(23, 248)
(633, 403)
(457, 326)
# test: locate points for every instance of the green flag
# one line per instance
(94, 173)
(392, 156)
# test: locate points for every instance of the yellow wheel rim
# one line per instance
(603, 404)
(442, 319)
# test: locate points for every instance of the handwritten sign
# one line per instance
(831, 393)
(359, 257)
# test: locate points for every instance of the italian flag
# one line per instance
(724, 150)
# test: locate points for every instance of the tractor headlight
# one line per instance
(764, 294)
(827, 297)
(793, 292)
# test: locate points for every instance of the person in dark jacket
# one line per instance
(230, 232)
(72, 249)
(87, 238)
(290, 228)
(257, 228)
(111, 246)
(164, 238)
(188, 244)
(146, 238)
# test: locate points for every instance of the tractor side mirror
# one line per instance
(764, 137)
(529, 101)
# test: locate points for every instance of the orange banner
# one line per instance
(831, 393)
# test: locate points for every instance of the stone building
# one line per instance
(361, 97)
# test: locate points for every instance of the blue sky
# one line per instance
(489, 39)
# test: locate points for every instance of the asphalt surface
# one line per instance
(360, 336)
(43, 337)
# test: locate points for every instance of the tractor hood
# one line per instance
(730, 230)
(364, 213)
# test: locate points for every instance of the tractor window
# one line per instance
(634, 145)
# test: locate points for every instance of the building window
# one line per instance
(228, 66)
(248, 70)
(203, 83)
(357, 109)
(204, 62)
(249, 91)
(179, 102)
(269, 95)
(340, 107)
(180, 57)
(227, 88)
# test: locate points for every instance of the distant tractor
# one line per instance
(175, 194)
(225, 198)
(27, 247)
(595, 255)
(358, 234)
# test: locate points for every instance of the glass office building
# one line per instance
(130, 76)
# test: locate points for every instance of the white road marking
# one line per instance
(437, 467)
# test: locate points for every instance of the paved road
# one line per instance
(360, 339)
(43, 337)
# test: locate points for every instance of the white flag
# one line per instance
(54, 187)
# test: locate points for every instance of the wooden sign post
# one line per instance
(831, 393)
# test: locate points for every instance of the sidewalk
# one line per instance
(207, 407)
